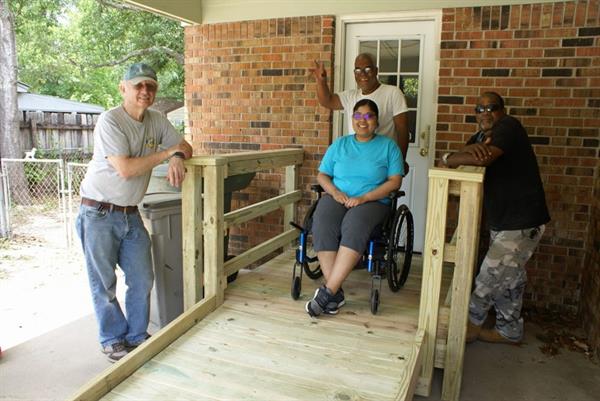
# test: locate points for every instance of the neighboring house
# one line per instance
(178, 117)
(49, 123)
(173, 109)
(248, 87)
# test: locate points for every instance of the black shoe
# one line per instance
(318, 304)
(115, 351)
(337, 301)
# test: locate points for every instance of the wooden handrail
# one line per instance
(203, 264)
(202, 225)
(467, 183)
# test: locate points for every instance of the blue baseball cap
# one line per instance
(140, 72)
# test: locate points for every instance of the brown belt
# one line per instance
(108, 206)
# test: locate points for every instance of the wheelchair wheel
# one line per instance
(400, 248)
(374, 300)
(312, 272)
(296, 287)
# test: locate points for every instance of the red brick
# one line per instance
(528, 92)
(593, 12)
(528, 53)
(511, 62)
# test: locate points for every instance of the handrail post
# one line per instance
(215, 281)
(433, 259)
(291, 179)
(193, 254)
(469, 216)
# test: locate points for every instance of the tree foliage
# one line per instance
(79, 49)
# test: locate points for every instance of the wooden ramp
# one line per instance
(261, 345)
(251, 341)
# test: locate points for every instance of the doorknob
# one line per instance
(424, 151)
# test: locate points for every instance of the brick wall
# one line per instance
(590, 297)
(248, 88)
(544, 60)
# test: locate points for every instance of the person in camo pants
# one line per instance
(516, 211)
(502, 280)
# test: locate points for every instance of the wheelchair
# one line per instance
(388, 253)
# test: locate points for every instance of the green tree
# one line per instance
(78, 49)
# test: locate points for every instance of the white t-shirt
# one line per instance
(389, 99)
(117, 134)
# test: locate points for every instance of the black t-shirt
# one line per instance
(513, 192)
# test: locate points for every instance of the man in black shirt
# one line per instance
(516, 212)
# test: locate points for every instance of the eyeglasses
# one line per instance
(488, 107)
(366, 116)
(149, 86)
(366, 70)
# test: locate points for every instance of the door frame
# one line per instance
(403, 16)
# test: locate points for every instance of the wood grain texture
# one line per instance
(261, 345)
(193, 258)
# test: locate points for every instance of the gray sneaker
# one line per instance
(115, 351)
(336, 302)
(319, 303)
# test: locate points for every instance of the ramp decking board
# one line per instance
(261, 345)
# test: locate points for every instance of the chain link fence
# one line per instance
(75, 174)
(39, 189)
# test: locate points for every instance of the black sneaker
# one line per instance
(336, 302)
(318, 304)
(115, 351)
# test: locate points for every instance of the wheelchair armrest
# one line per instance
(316, 188)
(396, 194)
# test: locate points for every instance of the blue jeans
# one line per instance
(111, 238)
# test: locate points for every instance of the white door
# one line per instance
(405, 52)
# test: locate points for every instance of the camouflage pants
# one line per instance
(501, 280)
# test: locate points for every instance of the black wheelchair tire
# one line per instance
(399, 256)
(312, 273)
(374, 301)
(296, 288)
(315, 273)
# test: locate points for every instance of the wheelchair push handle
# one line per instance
(297, 226)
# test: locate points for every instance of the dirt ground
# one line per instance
(43, 283)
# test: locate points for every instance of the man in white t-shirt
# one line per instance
(393, 121)
(129, 140)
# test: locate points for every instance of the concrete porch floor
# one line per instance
(54, 365)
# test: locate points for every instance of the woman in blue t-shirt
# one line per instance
(357, 174)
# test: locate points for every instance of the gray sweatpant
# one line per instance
(335, 225)
(502, 278)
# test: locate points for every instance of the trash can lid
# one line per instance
(160, 170)
(161, 200)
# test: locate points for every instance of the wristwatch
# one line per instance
(179, 155)
(445, 158)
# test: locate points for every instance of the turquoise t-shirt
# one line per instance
(359, 167)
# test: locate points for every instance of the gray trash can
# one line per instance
(162, 217)
(161, 213)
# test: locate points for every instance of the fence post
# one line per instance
(62, 200)
(70, 204)
(4, 220)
